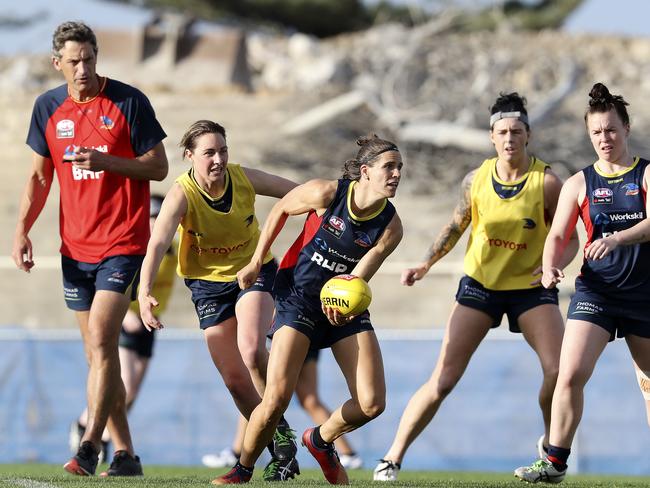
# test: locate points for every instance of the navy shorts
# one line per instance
(141, 342)
(614, 314)
(312, 355)
(495, 303)
(308, 318)
(215, 301)
(81, 280)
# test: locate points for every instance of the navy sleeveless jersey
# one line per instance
(614, 203)
(329, 245)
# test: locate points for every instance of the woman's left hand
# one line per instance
(335, 317)
(601, 247)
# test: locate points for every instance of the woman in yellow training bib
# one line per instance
(213, 207)
(509, 201)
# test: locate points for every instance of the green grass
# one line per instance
(49, 476)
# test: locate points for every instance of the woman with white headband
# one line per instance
(509, 201)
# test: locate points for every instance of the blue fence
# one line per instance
(489, 423)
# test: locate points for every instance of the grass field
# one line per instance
(49, 476)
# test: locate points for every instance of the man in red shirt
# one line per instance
(103, 141)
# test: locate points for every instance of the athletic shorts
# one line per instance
(614, 314)
(312, 355)
(495, 303)
(215, 301)
(81, 280)
(309, 319)
(140, 342)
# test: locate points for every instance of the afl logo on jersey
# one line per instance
(631, 189)
(362, 239)
(602, 196)
(335, 226)
(65, 129)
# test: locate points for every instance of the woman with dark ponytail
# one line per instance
(612, 290)
(351, 228)
(507, 203)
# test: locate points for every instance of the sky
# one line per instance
(627, 18)
(618, 17)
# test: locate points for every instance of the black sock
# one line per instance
(318, 440)
(283, 423)
(558, 456)
(245, 469)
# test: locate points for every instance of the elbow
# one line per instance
(160, 172)
(160, 176)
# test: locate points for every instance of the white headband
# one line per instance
(508, 115)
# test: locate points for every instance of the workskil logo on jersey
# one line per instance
(631, 189)
(335, 226)
(602, 196)
(65, 129)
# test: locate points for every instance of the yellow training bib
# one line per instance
(215, 245)
(507, 235)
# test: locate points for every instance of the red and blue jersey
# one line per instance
(614, 203)
(329, 245)
(101, 214)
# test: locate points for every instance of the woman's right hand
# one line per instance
(411, 275)
(247, 276)
(147, 304)
(551, 277)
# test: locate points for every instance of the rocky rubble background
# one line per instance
(429, 76)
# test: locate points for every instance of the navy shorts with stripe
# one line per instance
(308, 318)
(81, 280)
(214, 301)
(496, 303)
(615, 314)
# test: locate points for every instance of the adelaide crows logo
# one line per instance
(106, 122)
(529, 223)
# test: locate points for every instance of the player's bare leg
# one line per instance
(221, 340)
(288, 352)
(254, 311)
(640, 350)
(106, 394)
(466, 328)
(543, 329)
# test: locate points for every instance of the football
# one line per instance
(349, 294)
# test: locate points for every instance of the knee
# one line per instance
(571, 380)
(373, 408)
(443, 385)
(307, 401)
(254, 358)
(238, 383)
(274, 405)
(551, 374)
(101, 347)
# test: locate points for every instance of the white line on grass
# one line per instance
(26, 483)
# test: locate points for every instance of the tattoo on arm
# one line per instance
(449, 235)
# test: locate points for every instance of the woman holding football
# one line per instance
(509, 202)
(351, 227)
